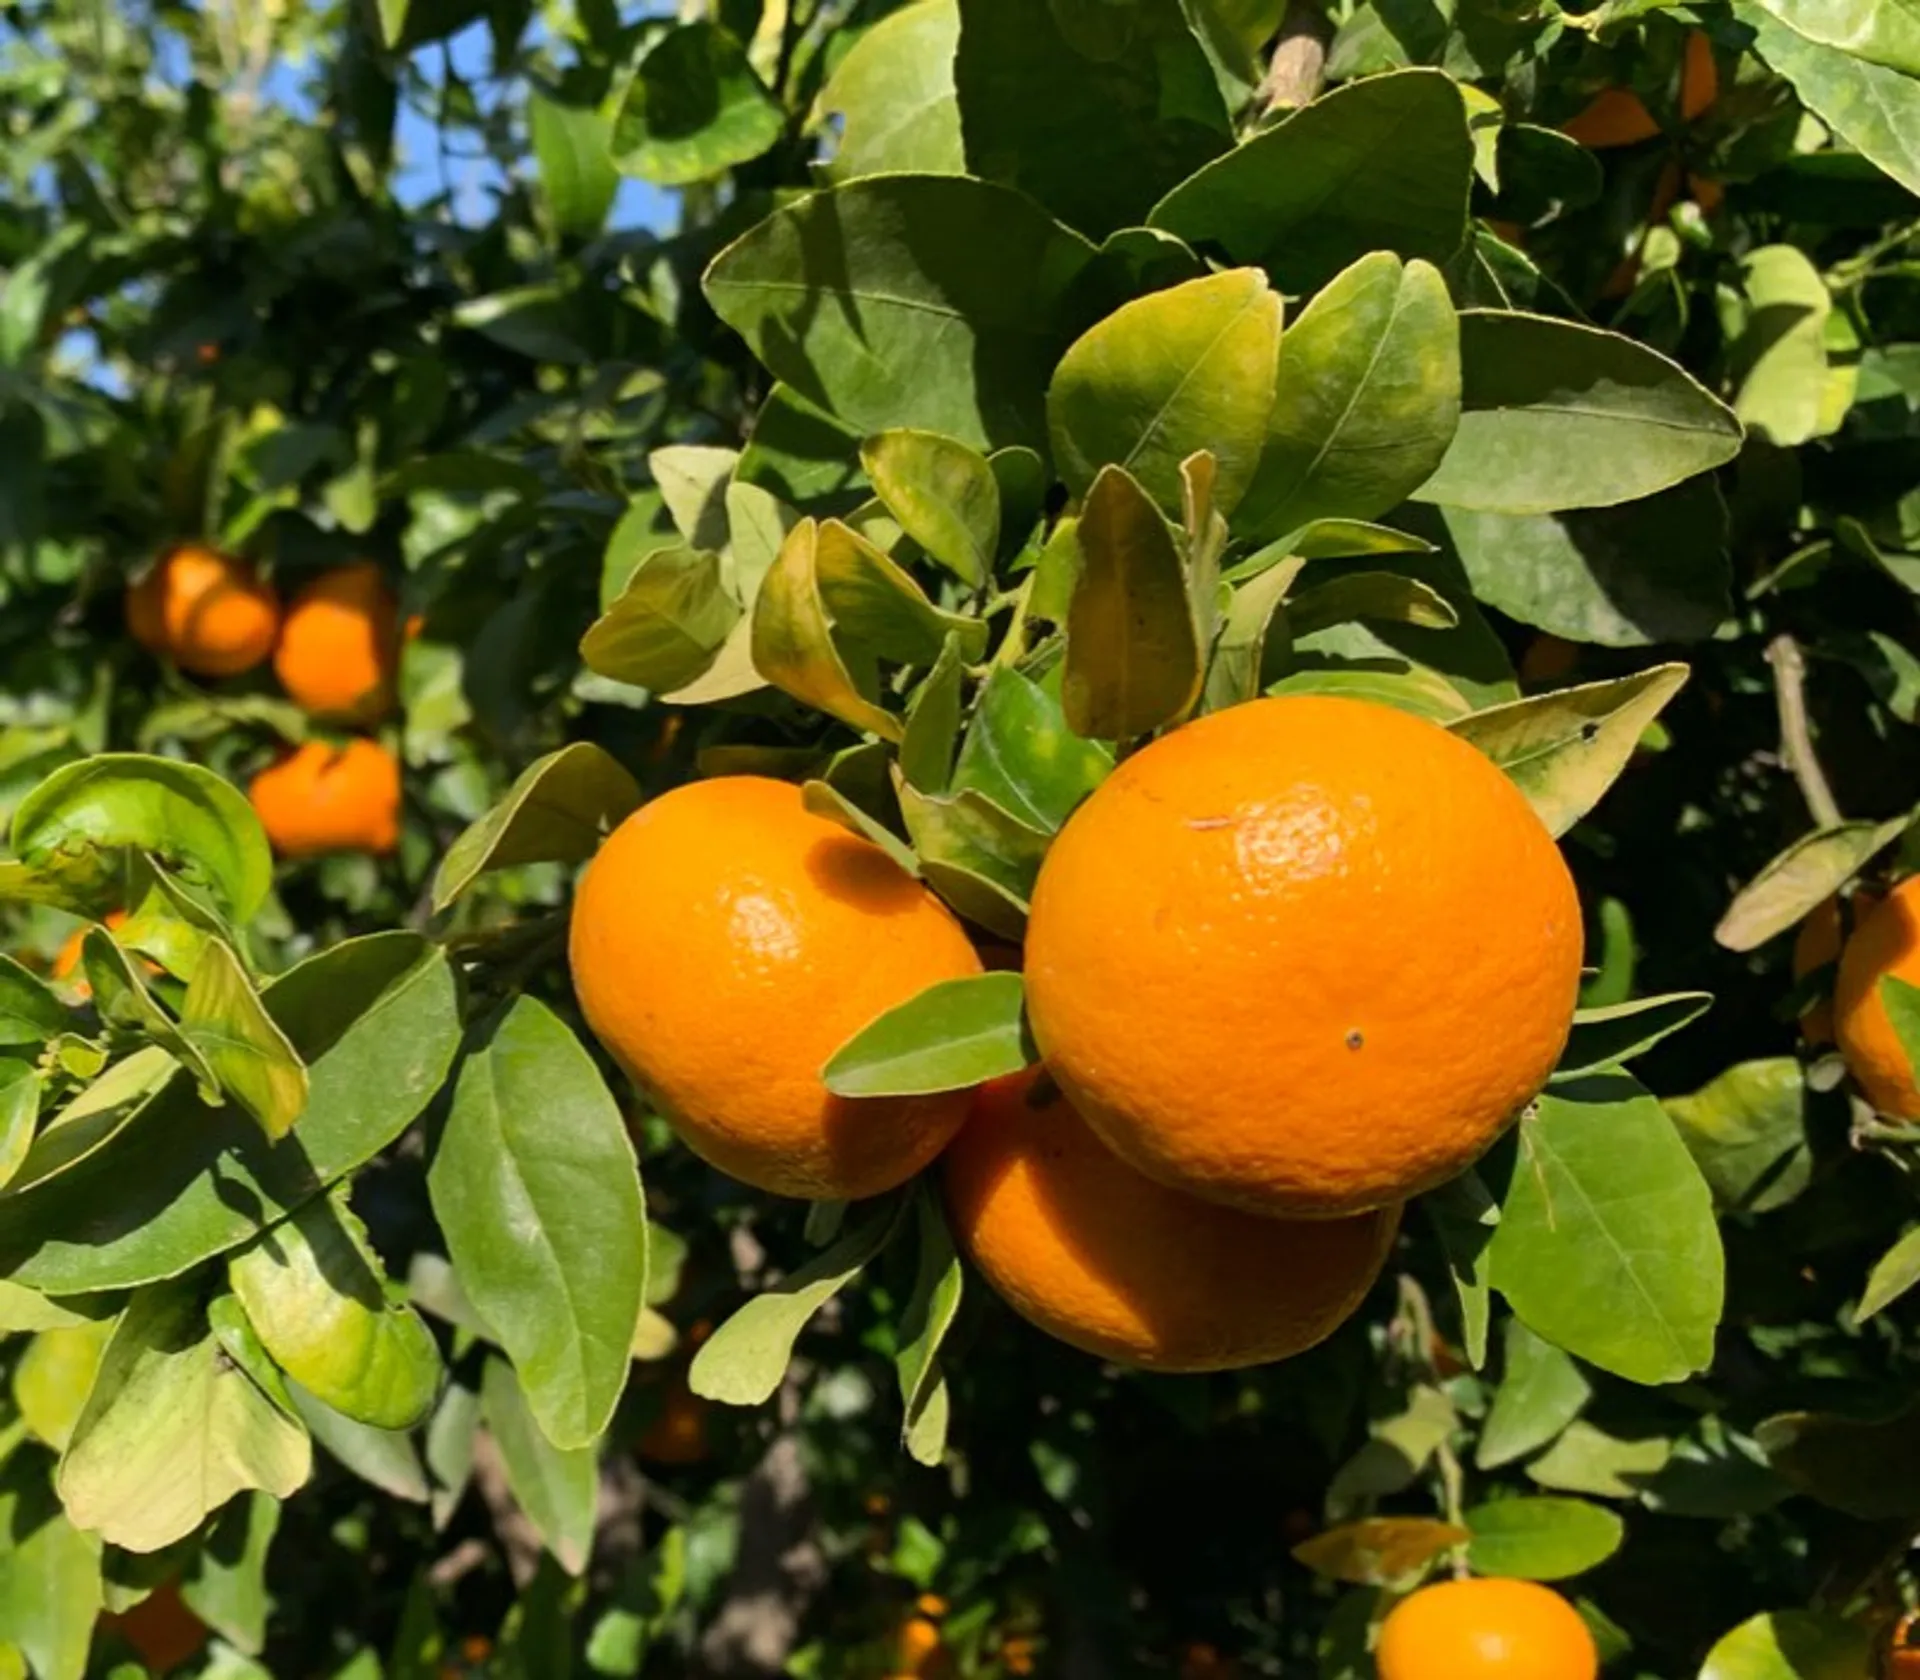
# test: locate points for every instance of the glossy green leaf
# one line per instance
(577, 178)
(952, 1036)
(1607, 1245)
(798, 451)
(54, 1376)
(120, 997)
(1801, 879)
(1588, 1460)
(224, 1019)
(1368, 399)
(376, 1022)
(1566, 748)
(944, 495)
(1094, 111)
(1383, 164)
(1020, 754)
(1541, 1391)
(932, 738)
(742, 1363)
(1381, 595)
(668, 625)
(559, 808)
(315, 1294)
(918, 300)
(225, 1585)
(693, 109)
(30, 1012)
(1747, 1132)
(1133, 661)
(49, 1574)
(1177, 371)
(1792, 1645)
(929, 1315)
(1541, 1539)
(536, 1189)
(187, 817)
(1398, 683)
(20, 1091)
(968, 832)
(1879, 33)
(1555, 415)
(557, 1488)
(1615, 1033)
(1328, 539)
(172, 1430)
(893, 93)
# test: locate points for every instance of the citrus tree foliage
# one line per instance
(1019, 379)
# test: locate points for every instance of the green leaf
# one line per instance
(894, 95)
(1555, 415)
(1383, 595)
(1874, 109)
(393, 20)
(55, 1374)
(225, 1585)
(1587, 1460)
(1585, 575)
(559, 809)
(1893, 1274)
(1397, 683)
(1133, 661)
(953, 1035)
(1747, 1132)
(1093, 110)
(23, 1309)
(1615, 1033)
(1368, 399)
(95, 1116)
(944, 495)
(536, 1189)
(1791, 1645)
(20, 1091)
(1901, 1000)
(928, 746)
(315, 1294)
(49, 1574)
(793, 642)
(1177, 371)
(30, 1011)
(918, 300)
(1464, 1217)
(1606, 1245)
(694, 109)
(929, 1315)
(1541, 1392)
(123, 1003)
(823, 799)
(1379, 1551)
(1801, 879)
(1541, 1539)
(1383, 164)
(224, 1019)
(1879, 33)
(668, 625)
(1020, 754)
(1327, 539)
(1780, 357)
(558, 1488)
(1565, 749)
(693, 480)
(382, 1458)
(967, 832)
(172, 1430)
(742, 1363)
(799, 452)
(185, 816)
(577, 178)
(375, 1020)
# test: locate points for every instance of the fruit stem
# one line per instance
(1796, 733)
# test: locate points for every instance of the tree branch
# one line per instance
(1796, 733)
(1299, 61)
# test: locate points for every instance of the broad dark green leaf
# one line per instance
(930, 1312)
(1556, 415)
(1747, 1132)
(1541, 1391)
(944, 495)
(1801, 879)
(315, 1294)
(954, 1035)
(49, 1574)
(1133, 660)
(668, 624)
(1367, 400)
(1566, 748)
(376, 1022)
(557, 1488)
(559, 808)
(1093, 110)
(172, 1430)
(742, 1363)
(224, 1019)
(30, 1012)
(1791, 1645)
(1606, 1245)
(225, 1585)
(1383, 164)
(1541, 1539)
(536, 1190)
(893, 93)
(915, 300)
(1020, 754)
(693, 109)
(187, 817)
(577, 178)
(801, 453)
(1177, 371)
(1607, 1036)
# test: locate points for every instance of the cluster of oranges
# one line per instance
(334, 650)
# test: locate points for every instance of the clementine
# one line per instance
(1616, 116)
(1887, 941)
(1305, 957)
(1486, 1630)
(725, 942)
(209, 613)
(322, 798)
(340, 645)
(1699, 77)
(161, 1629)
(1119, 1266)
(1815, 946)
(69, 958)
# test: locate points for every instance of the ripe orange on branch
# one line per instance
(339, 646)
(165, 1633)
(1486, 1630)
(1304, 957)
(323, 798)
(1112, 1263)
(209, 613)
(725, 942)
(1887, 942)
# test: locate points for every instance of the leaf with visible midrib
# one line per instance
(950, 1037)
(224, 1019)
(1801, 879)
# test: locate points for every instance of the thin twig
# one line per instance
(1299, 61)
(1796, 734)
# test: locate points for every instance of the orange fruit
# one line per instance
(919, 1644)
(1126, 1269)
(1903, 1650)
(1615, 117)
(323, 798)
(1306, 956)
(678, 1435)
(1486, 1630)
(1887, 941)
(161, 1629)
(340, 643)
(1699, 78)
(1815, 946)
(209, 613)
(69, 958)
(725, 942)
